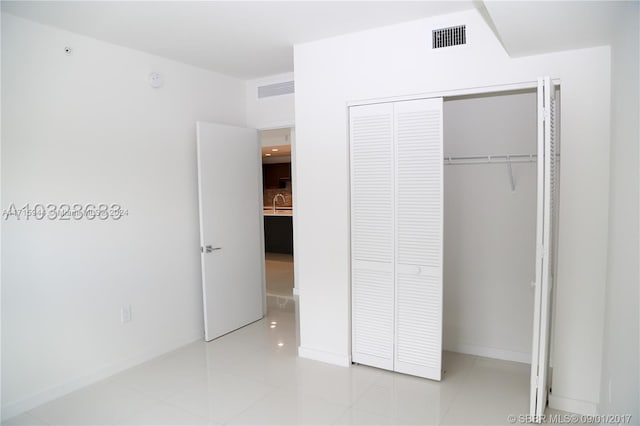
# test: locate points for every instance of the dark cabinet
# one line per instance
(278, 234)
(276, 175)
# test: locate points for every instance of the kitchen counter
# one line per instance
(279, 212)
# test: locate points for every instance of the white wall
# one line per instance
(271, 112)
(275, 137)
(489, 230)
(88, 128)
(620, 371)
(397, 60)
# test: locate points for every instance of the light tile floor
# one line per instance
(253, 377)
(279, 272)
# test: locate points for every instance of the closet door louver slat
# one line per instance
(419, 205)
(371, 139)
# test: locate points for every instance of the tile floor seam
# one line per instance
(295, 389)
(124, 422)
(258, 380)
(362, 396)
(364, 392)
(311, 395)
(29, 413)
(148, 395)
(171, 404)
(334, 422)
(226, 422)
(118, 420)
(235, 376)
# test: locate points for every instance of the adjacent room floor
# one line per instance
(279, 272)
(253, 377)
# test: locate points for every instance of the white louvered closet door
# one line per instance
(547, 182)
(418, 232)
(372, 286)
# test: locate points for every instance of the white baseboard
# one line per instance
(329, 358)
(573, 405)
(14, 408)
(484, 351)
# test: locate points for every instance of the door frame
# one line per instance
(449, 93)
(274, 126)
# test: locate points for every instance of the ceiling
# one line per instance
(252, 39)
(535, 27)
(283, 134)
(276, 151)
(238, 38)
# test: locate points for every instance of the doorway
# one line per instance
(499, 194)
(490, 182)
(278, 200)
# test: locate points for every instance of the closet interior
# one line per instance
(489, 244)
(447, 214)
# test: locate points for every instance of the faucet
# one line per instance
(275, 199)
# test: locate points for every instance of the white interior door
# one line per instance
(419, 227)
(231, 227)
(544, 246)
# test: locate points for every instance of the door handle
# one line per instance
(209, 249)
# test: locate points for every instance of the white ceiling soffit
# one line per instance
(238, 38)
(535, 27)
(283, 133)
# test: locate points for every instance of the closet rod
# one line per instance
(494, 159)
(486, 159)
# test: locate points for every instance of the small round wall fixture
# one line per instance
(68, 50)
(155, 80)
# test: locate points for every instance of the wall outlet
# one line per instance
(125, 314)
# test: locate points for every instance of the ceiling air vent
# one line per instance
(452, 36)
(275, 89)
